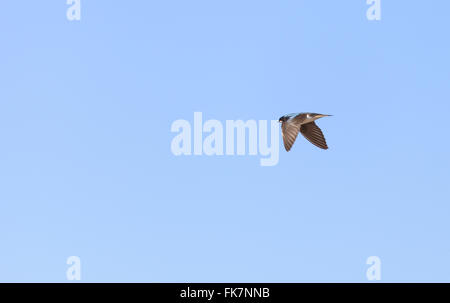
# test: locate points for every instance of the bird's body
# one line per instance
(303, 123)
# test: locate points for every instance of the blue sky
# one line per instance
(86, 167)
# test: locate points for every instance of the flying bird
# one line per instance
(292, 124)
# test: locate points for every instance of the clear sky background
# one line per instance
(86, 167)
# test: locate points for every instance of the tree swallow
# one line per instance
(292, 124)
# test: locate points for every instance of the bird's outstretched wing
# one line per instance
(314, 135)
(289, 129)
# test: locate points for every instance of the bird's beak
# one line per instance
(321, 116)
